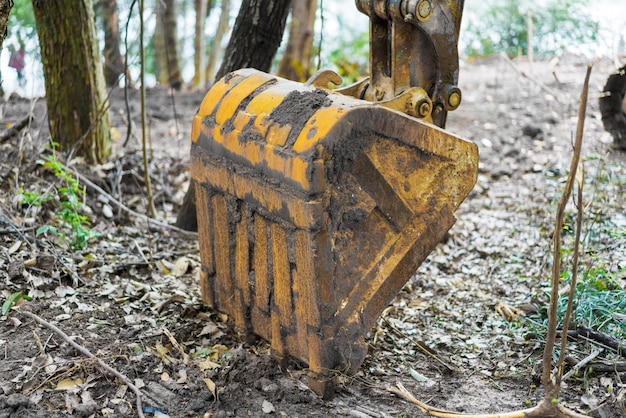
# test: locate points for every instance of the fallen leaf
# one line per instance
(181, 266)
(16, 246)
(208, 365)
(50, 366)
(417, 376)
(589, 400)
(208, 329)
(211, 385)
(183, 376)
(69, 384)
(267, 407)
(164, 266)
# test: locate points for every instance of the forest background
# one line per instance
(339, 41)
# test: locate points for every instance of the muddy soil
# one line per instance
(131, 296)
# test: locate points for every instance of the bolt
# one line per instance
(451, 97)
(424, 109)
(424, 10)
(454, 100)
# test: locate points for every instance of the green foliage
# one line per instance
(69, 198)
(12, 299)
(351, 56)
(558, 25)
(599, 304)
(22, 20)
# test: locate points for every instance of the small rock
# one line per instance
(532, 131)
(85, 409)
(107, 211)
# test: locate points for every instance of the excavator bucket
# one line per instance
(314, 209)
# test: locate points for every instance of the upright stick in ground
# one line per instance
(549, 406)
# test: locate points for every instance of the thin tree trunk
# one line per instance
(78, 113)
(296, 61)
(222, 29)
(166, 45)
(256, 37)
(113, 61)
(5, 9)
(199, 43)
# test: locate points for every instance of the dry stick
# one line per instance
(419, 345)
(531, 78)
(15, 129)
(403, 392)
(88, 353)
(129, 119)
(553, 388)
(146, 172)
(599, 338)
(580, 175)
(580, 364)
(125, 208)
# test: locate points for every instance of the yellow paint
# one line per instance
(237, 94)
(196, 127)
(214, 96)
(318, 127)
(277, 135)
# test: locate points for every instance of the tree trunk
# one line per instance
(5, 9)
(256, 37)
(296, 61)
(199, 44)
(222, 29)
(78, 113)
(113, 61)
(166, 45)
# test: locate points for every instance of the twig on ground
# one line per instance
(15, 129)
(599, 337)
(544, 409)
(602, 366)
(88, 353)
(401, 391)
(151, 221)
(419, 345)
(581, 363)
(531, 78)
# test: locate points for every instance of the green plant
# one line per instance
(70, 199)
(501, 26)
(12, 299)
(598, 305)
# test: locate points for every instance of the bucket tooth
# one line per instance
(314, 209)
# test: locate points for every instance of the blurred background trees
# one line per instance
(186, 39)
(502, 26)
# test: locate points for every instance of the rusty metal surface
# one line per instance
(413, 44)
(314, 209)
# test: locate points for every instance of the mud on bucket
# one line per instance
(314, 209)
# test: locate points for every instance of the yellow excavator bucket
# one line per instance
(314, 209)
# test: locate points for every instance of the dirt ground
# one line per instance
(131, 296)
